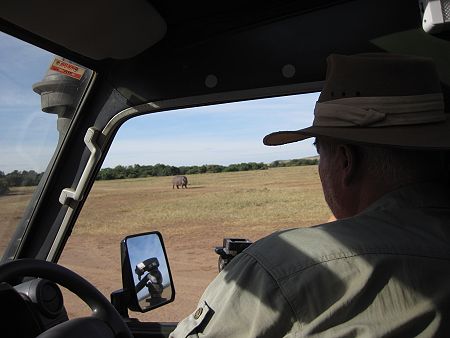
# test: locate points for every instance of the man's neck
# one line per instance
(360, 196)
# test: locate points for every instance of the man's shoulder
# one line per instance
(300, 248)
(371, 233)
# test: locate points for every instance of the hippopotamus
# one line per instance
(179, 180)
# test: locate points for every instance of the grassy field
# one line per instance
(193, 221)
(12, 207)
(240, 202)
(249, 204)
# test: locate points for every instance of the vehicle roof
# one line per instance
(235, 45)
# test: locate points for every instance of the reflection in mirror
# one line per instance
(150, 271)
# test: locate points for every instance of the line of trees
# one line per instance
(18, 178)
(31, 178)
(295, 162)
(135, 171)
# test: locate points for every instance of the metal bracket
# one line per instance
(77, 194)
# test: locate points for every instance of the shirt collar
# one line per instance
(417, 195)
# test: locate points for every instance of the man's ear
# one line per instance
(347, 158)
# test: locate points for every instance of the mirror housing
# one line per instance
(146, 276)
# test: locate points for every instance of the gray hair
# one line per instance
(396, 164)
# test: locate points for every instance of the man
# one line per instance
(383, 268)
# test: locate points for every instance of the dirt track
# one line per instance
(192, 269)
(193, 264)
(192, 261)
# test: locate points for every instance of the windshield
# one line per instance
(28, 135)
(236, 187)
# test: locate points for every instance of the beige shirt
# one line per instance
(382, 273)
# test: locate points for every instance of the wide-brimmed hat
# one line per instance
(381, 98)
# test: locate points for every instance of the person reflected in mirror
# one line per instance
(152, 280)
(382, 268)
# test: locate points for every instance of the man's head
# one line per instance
(353, 175)
(379, 124)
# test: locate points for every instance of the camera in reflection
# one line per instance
(150, 277)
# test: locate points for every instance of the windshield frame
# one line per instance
(22, 229)
(105, 137)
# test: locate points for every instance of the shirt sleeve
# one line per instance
(242, 301)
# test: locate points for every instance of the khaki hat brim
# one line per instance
(424, 136)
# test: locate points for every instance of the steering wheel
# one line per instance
(104, 322)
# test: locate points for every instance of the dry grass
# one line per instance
(12, 207)
(255, 201)
(193, 221)
(223, 204)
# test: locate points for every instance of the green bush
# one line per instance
(4, 189)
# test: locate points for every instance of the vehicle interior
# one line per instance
(124, 59)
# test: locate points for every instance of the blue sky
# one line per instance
(25, 132)
(221, 134)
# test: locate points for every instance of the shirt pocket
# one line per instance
(188, 326)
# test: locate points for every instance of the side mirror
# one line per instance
(146, 274)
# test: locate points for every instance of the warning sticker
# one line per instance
(67, 68)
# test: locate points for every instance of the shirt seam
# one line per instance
(278, 281)
(275, 281)
(339, 256)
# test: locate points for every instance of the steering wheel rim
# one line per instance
(99, 304)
